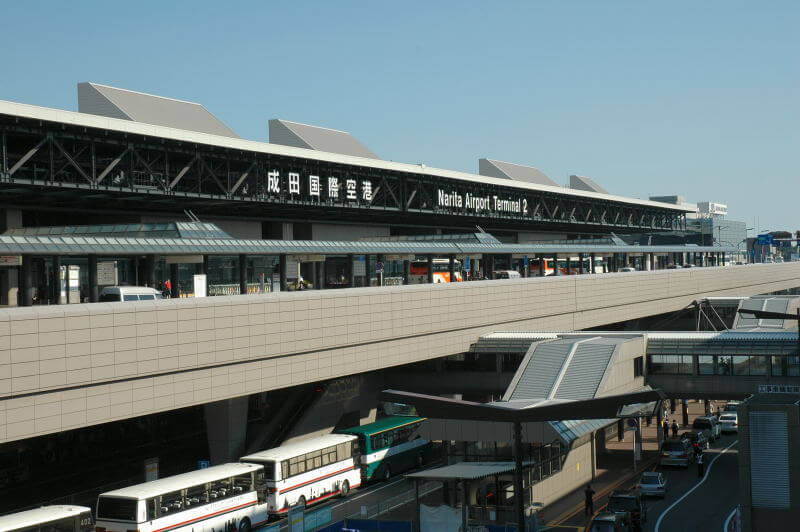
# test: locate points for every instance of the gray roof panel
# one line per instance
(586, 369)
(517, 172)
(113, 102)
(579, 182)
(317, 138)
(539, 376)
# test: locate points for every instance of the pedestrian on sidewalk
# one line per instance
(589, 494)
(666, 428)
(674, 429)
(701, 467)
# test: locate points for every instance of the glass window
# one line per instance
(758, 365)
(147, 297)
(269, 470)
(242, 483)
(219, 489)
(777, 366)
(671, 364)
(285, 469)
(171, 502)
(724, 365)
(152, 508)
(196, 495)
(62, 525)
(793, 368)
(741, 365)
(117, 509)
(130, 297)
(705, 365)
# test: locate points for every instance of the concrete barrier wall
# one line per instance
(63, 367)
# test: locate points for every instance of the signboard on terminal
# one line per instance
(779, 388)
(473, 203)
(764, 240)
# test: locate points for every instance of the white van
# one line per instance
(129, 293)
(506, 274)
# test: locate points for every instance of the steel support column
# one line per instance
(282, 271)
(351, 270)
(174, 289)
(556, 269)
(451, 267)
(519, 503)
(367, 276)
(541, 265)
(94, 295)
(406, 271)
(430, 269)
(56, 276)
(243, 274)
(581, 268)
(27, 280)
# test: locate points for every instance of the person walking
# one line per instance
(666, 428)
(674, 429)
(589, 502)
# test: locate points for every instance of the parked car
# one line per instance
(729, 422)
(676, 452)
(631, 502)
(627, 269)
(731, 406)
(710, 424)
(688, 265)
(699, 437)
(129, 293)
(653, 484)
(610, 522)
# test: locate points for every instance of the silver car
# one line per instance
(729, 422)
(653, 484)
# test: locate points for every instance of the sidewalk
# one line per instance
(615, 469)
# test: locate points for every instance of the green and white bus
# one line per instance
(390, 445)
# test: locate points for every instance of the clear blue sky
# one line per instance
(694, 98)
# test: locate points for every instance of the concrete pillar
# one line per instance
(94, 295)
(204, 266)
(569, 264)
(282, 271)
(581, 268)
(541, 265)
(367, 267)
(379, 276)
(525, 266)
(56, 280)
(174, 290)
(406, 271)
(352, 270)
(27, 281)
(430, 269)
(242, 274)
(706, 406)
(672, 406)
(150, 271)
(685, 413)
(451, 267)
(490, 262)
(226, 423)
(556, 269)
(591, 262)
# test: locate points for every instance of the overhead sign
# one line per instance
(764, 240)
(107, 273)
(491, 204)
(10, 260)
(779, 388)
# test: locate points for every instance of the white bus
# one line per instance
(309, 471)
(61, 518)
(223, 498)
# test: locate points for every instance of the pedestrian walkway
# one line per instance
(615, 469)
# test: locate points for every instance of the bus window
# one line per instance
(117, 509)
(62, 525)
(269, 470)
(171, 502)
(196, 495)
(219, 489)
(153, 508)
(242, 483)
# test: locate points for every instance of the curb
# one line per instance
(625, 478)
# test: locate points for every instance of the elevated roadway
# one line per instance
(64, 367)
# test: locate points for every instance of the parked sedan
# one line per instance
(653, 484)
(729, 422)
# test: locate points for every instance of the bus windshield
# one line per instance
(116, 509)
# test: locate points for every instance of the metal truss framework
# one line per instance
(56, 157)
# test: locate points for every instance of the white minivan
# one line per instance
(506, 274)
(129, 293)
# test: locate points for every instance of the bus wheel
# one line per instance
(387, 473)
(345, 488)
(244, 525)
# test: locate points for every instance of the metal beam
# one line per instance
(111, 166)
(182, 172)
(71, 161)
(241, 179)
(27, 156)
